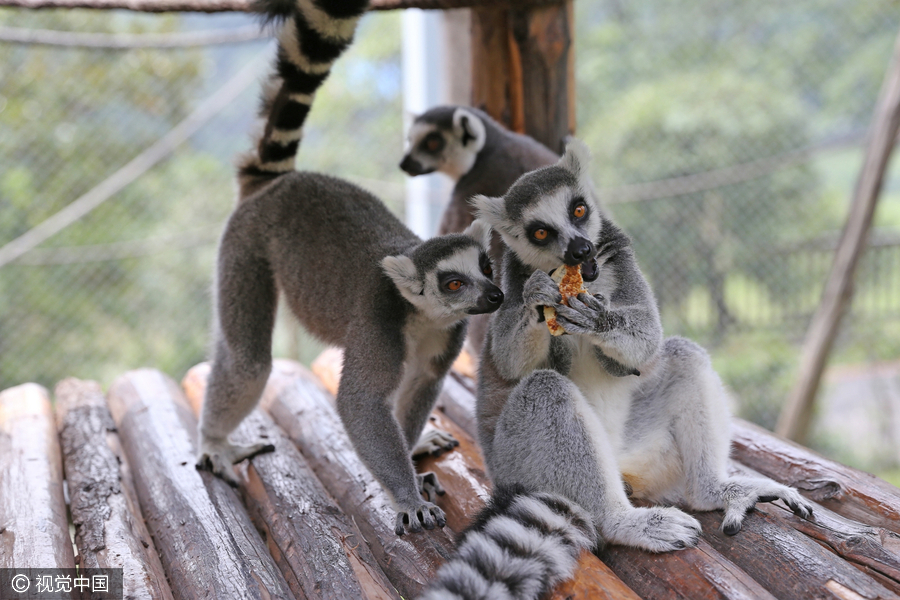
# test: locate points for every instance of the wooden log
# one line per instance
(207, 543)
(847, 491)
(523, 69)
(109, 529)
(318, 548)
(699, 572)
(873, 550)
(796, 414)
(786, 562)
(34, 532)
(462, 474)
(301, 407)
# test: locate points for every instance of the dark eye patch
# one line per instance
(573, 206)
(485, 264)
(535, 230)
(445, 278)
(432, 143)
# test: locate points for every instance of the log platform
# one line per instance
(112, 475)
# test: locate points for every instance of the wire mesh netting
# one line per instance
(727, 138)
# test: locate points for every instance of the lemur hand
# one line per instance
(540, 290)
(587, 314)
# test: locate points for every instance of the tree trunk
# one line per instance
(523, 69)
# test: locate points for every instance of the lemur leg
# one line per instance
(700, 422)
(548, 439)
(364, 404)
(415, 400)
(243, 358)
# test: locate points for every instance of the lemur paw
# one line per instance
(430, 486)
(421, 514)
(218, 456)
(435, 442)
(657, 529)
(740, 494)
(540, 290)
(586, 314)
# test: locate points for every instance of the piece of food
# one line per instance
(570, 284)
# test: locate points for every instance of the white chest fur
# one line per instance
(608, 396)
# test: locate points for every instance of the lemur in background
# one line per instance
(577, 414)
(482, 157)
(353, 274)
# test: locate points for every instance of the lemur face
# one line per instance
(444, 142)
(548, 216)
(448, 277)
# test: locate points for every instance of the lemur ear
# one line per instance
(480, 232)
(403, 272)
(577, 159)
(469, 129)
(489, 210)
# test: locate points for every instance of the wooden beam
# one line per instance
(207, 543)
(109, 529)
(297, 402)
(847, 491)
(523, 69)
(318, 548)
(795, 417)
(34, 532)
(214, 6)
(786, 562)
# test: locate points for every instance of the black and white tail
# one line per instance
(312, 35)
(519, 547)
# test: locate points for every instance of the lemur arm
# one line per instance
(521, 342)
(373, 364)
(626, 327)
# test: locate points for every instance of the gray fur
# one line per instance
(487, 165)
(576, 414)
(357, 278)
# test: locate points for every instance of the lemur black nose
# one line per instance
(578, 251)
(411, 165)
(495, 297)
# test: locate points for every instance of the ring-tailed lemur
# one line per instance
(577, 414)
(353, 274)
(482, 157)
(518, 547)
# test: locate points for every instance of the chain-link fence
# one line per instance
(727, 138)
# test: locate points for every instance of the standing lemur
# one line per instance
(353, 274)
(612, 401)
(482, 157)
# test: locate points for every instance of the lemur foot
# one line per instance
(421, 514)
(657, 529)
(430, 486)
(740, 494)
(435, 442)
(218, 456)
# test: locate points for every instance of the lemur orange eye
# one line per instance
(540, 234)
(488, 271)
(580, 211)
(454, 285)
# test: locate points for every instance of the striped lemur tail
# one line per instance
(312, 35)
(520, 546)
